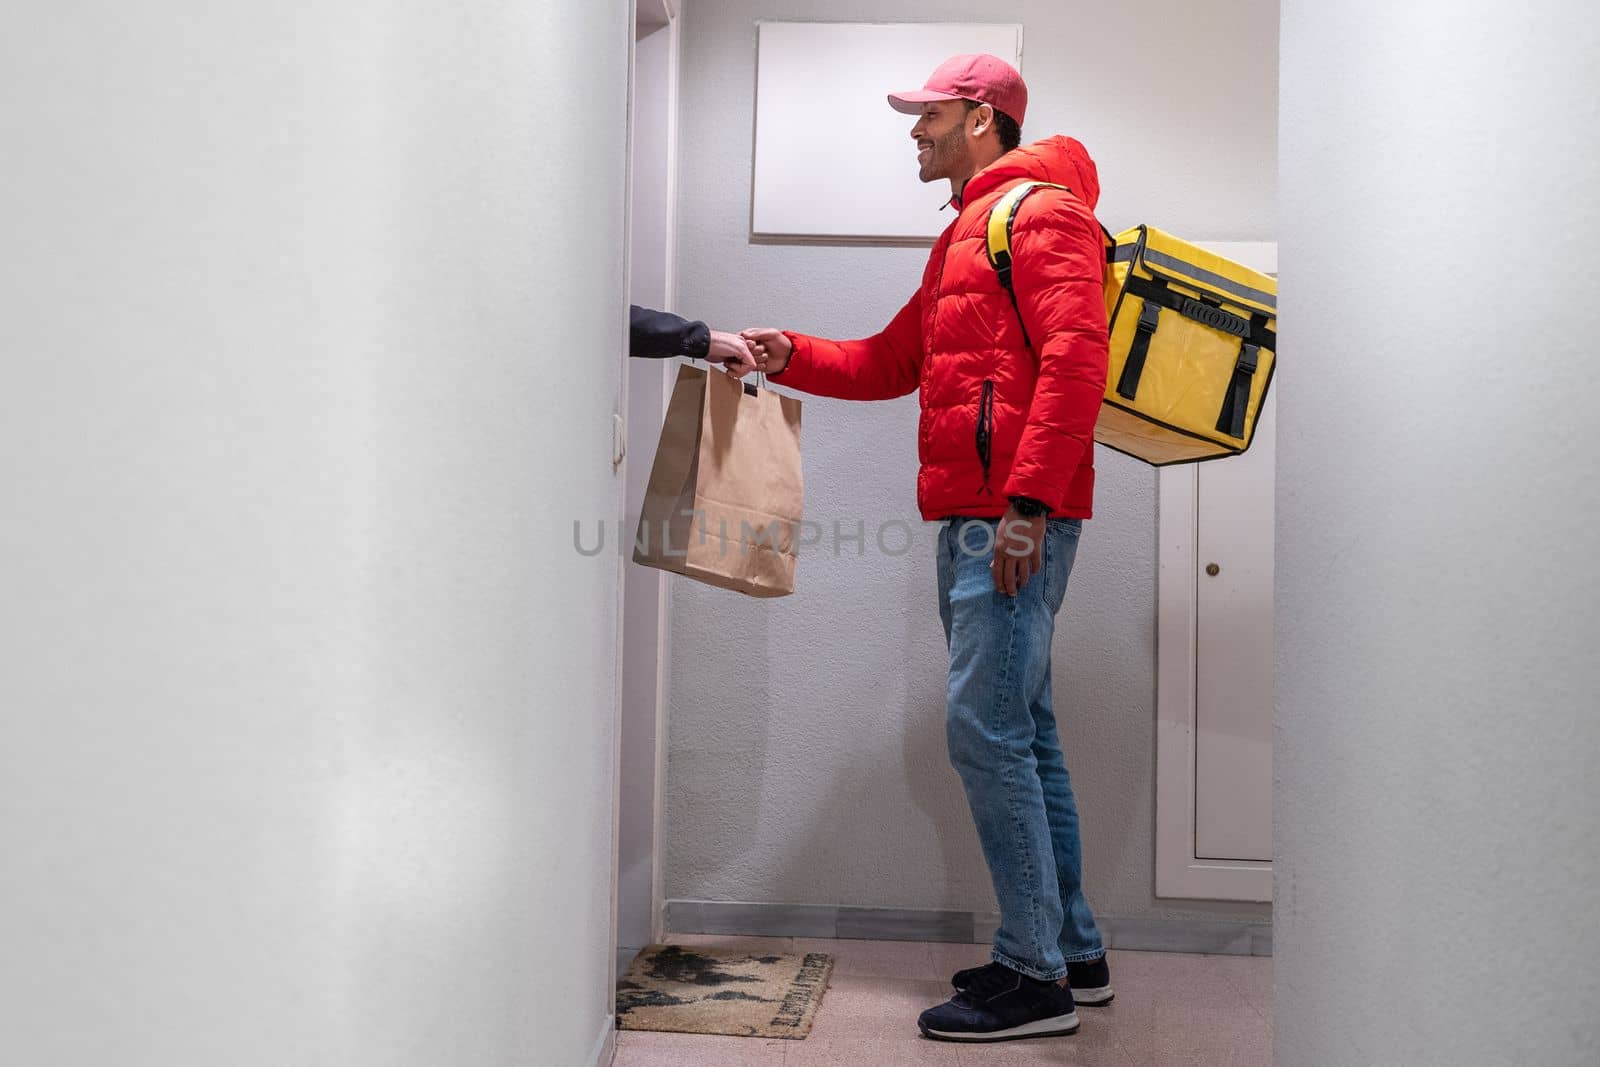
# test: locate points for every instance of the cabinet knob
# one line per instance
(1213, 570)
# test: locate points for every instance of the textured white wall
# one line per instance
(306, 743)
(1438, 860)
(807, 760)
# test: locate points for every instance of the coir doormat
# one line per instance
(685, 989)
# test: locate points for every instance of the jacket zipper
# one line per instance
(985, 433)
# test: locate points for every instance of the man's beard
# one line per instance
(945, 156)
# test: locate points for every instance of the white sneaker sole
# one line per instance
(1060, 1026)
(1093, 998)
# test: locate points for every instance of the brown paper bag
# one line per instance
(725, 496)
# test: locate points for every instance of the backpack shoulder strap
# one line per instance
(1002, 217)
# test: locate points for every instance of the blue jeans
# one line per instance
(1002, 734)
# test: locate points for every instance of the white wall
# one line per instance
(1438, 863)
(306, 748)
(807, 760)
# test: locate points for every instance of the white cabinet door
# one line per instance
(1214, 665)
(1233, 652)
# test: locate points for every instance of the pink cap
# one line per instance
(981, 78)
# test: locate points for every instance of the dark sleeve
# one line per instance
(662, 335)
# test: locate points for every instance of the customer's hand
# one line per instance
(772, 348)
(736, 355)
(1018, 551)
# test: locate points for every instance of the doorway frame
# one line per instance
(647, 17)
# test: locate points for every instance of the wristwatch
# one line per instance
(1028, 507)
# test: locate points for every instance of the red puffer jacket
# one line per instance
(998, 420)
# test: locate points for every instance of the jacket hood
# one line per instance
(1062, 160)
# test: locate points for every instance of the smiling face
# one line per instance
(941, 136)
(955, 139)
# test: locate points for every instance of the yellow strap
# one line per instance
(1001, 214)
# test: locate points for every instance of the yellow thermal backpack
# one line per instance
(1193, 342)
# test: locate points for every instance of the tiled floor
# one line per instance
(1196, 1011)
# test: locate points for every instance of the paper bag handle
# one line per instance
(750, 388)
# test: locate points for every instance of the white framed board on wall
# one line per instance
(832, 159)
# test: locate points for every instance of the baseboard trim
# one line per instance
(897, 924)
(605, 1049)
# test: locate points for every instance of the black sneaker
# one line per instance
(1090, 981)
(998, 1004)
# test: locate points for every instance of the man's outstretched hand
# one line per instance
(1018, 551)
(772, 349)
(735, 354)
